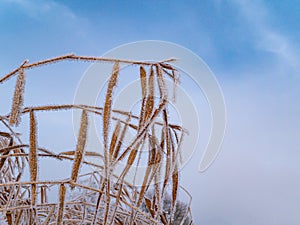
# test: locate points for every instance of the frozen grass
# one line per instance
(102, 195)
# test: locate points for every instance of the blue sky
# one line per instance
(252, 46)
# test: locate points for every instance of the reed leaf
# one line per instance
(114, 140)
(150, 96)
(108, 106)
(175, 184)
(143, 79)
(161, 82)
(9, 218)
(14, 118)
(81, 142)
(120, 141)
(61, 204)
(33, 163)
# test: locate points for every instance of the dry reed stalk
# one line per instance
(43, 150)
(47, 61)
(188, 211)
(157, 196)
(48, 218)
(81, 141)
(138, 164)
(107, 200)
(147, 179)
(49, 108)
(33, 164)
(154, 169)
(6, 77)
(18, 219)
(168, 159)
(97, 111)
(118, 197)
(86, 153)
(14, 118)
(61, 205)
(84, 58)
(32, 216)
(4, 151)
(100, 193)
(11, 194)
(26, 65)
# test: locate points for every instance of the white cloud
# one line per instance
(255, 178)
(268, 38)
(38, 9)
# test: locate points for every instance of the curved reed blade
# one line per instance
(157, 196)
(147, 180)
(168, 150)
(161, 82)
(3, 143)
(143, 78)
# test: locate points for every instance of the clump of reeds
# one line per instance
(104, 195)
